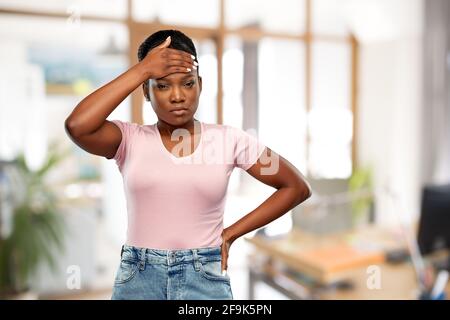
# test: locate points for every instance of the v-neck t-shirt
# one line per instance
(178, 202)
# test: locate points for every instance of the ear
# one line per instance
(200, 84)
(146, 91)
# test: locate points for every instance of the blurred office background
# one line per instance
(355, 93)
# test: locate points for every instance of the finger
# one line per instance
(175, 57)
(181, 63)
(223, 264)
(171, 70)
(224, 269)
(181, 53)
(166, 43)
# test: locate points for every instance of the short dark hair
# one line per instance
(178, 41)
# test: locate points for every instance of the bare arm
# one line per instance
(292, 189)
(87, 125)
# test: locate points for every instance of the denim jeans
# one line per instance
(155, 274)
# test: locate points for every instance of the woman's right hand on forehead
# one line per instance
(162, 61)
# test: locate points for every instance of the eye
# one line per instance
(161, 86)
(190, 84)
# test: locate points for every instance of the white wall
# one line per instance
(390, 104)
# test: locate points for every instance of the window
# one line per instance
(330, 119)
(187, 13)
(296, 91)
(282, 110)
(273, 16)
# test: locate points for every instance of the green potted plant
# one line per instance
(361, 190)
(37, 229)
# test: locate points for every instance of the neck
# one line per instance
(169, 128)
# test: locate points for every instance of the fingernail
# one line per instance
(168, 38)
(195, 63)
(224, 272)
(189, 69)
(193, 57)
(195, 68)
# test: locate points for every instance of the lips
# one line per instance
(179, 111)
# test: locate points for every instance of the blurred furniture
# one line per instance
(330, 207)
(434, 226)
(303, 265)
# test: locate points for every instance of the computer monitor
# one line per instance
(434, 224)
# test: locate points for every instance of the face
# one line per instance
(175, 97)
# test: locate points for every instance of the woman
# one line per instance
(175, 175)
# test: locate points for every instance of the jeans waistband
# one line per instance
(149, 255)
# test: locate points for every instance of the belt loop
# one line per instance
(142, 258)
(196, 260)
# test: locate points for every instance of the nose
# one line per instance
(176, 95)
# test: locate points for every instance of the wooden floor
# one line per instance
(86, 295)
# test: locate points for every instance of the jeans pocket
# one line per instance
(127, 270)
(212, 270)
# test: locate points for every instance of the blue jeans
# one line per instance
(154, 274)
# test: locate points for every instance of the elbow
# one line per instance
(70, 127)
(309, 189)
(309, 193)
(304, 191)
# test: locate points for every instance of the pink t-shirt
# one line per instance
(178, 203)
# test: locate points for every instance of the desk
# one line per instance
(273, 262)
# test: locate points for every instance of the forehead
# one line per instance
(177, 77)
